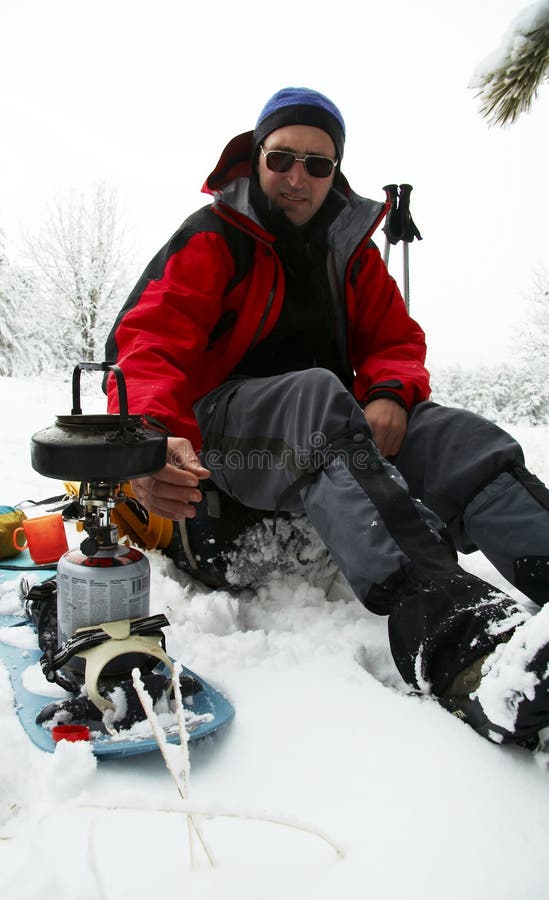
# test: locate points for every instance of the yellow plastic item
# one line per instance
(72, 488)
(10, 520)
(145, 529)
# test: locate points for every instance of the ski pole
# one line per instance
(409, 232)
(399, 226)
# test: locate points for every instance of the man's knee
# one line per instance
(323, 406)
(319, 381)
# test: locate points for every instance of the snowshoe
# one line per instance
(49, 682)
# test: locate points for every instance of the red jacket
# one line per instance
(217, 288)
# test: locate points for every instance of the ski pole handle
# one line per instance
(409, 228)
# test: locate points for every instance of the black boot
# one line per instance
(438, 628)
(505, 696)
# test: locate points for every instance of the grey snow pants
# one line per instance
(299, 442)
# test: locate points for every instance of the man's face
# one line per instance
(297, 193)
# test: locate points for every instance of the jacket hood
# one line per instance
(236, 161)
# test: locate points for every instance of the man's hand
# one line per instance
(388, 421)
(173, 490)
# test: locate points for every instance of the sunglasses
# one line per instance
(283, 160)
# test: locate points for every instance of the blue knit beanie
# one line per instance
(300, 106)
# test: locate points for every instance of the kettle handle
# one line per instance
(99, 367)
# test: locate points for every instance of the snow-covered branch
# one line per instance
(508, 80)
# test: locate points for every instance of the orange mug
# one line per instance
(44, 536)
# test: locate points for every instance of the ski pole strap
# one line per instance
(399, 225)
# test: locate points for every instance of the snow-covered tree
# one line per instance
(508, 80)
(7, 329)
(26, 345)
(81, 260)
(505, 393)
(530, 342)
(9, 344)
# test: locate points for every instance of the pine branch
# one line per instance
(509, 89)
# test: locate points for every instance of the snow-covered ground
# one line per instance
(419, 805)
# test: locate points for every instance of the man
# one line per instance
(268, 336)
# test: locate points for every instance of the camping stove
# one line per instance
(103, 580)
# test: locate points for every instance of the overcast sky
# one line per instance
(145, 95)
